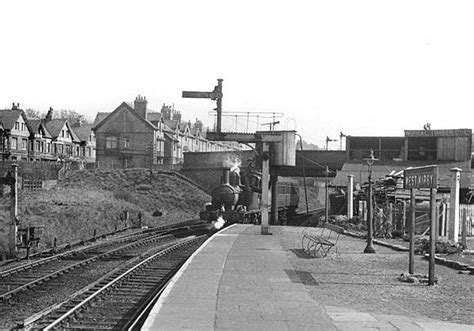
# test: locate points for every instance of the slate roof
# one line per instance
(172, 124)
(55, 125)
(171, 137)
(126, 106)
(99, 117)
(34, 125)
(83, 131)
(154, 117)
(9, 118)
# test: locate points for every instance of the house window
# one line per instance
(48, 147)
(24, 144)
(126, 143)
(14, 143)
(62, 133)
(88, 151)
(17, 125)
(111, 142)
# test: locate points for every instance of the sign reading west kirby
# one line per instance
(420, 177)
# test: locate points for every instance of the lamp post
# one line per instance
(370, 224)
(304, 175)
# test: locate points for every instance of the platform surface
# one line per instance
(242, 280)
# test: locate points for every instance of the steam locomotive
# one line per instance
(238, 199)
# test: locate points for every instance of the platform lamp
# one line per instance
(370, 221)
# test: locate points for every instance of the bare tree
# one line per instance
(73, 117)
(33, 114)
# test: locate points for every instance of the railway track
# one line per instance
(118, 300)
(27, 276)
(32, 288)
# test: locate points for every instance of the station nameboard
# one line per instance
(439, 133)
(420, 177)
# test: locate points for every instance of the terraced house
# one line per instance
(15, 134)
(139, 137)
(48, 139)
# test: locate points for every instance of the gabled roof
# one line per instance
(35, 125)
(99, 117)
(170, 137)
(183, 128)
(127, 107)
(154, 117)
(172, 124)
(55, 126)
(10, 117)
(83, 131)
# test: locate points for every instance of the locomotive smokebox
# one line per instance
(225, 195)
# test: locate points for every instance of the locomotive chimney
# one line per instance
(225, 176)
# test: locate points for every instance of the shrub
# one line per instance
(125, 196)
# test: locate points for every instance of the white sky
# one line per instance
(360, 67)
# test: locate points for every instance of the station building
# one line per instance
(446, 148)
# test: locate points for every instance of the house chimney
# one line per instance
(49, 115)
(166, 111)
(140, 106)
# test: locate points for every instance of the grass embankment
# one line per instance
(94, 200)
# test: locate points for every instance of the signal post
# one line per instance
(268, 140)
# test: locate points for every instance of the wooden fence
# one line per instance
(466, 212)
(396, 217)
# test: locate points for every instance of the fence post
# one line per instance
(390, 217)
(442, 207)
(350, 196)
(13, 212)
(464, 232)
(453, 228)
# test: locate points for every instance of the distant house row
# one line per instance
(47, 139)
(139, 137)
(127, 137)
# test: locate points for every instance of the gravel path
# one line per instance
(368, 282)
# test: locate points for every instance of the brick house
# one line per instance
(15, 134)
(87, 143)
(138, 137)
(126, 138)
(40, 142)
(65, 142)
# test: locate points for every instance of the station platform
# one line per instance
(242, 280)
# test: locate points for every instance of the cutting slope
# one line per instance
(95, 200)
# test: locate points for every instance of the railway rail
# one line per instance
(118, 300)
(31, 288)
(26, 276)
